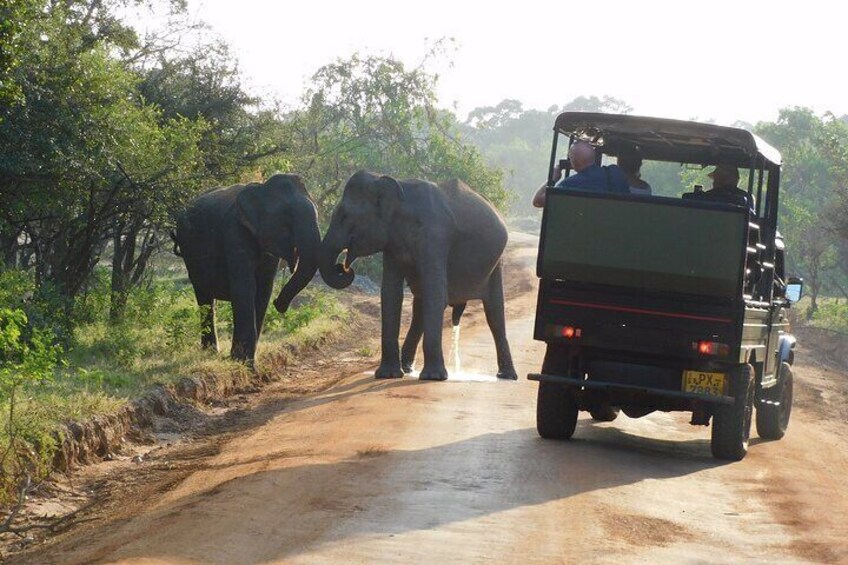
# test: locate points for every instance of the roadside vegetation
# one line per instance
(102, 364)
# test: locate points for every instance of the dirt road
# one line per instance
(407, 471)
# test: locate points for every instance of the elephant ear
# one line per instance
(257, 207)
(390, 196)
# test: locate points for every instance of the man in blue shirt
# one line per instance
(589, 175)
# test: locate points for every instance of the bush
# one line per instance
(43, 306)
(28, 358)
(832, 315)
(182, 327)
(309, 305)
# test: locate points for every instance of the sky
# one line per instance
(720, 60)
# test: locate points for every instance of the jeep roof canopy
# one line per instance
(663, 139)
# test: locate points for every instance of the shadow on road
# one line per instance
(291, 509)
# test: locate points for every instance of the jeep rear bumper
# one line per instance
(629, 389)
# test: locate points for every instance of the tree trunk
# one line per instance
(121, 249)
(132, 248)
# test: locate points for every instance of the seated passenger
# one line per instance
(589, 175)
(630, 162)
(725, 178)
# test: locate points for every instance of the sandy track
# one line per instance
(407, 471)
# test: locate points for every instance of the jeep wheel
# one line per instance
(776, 406)
(604, 412)
(732, 423)
(556, 412)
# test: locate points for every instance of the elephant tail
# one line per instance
(458, 309)
(177, 250)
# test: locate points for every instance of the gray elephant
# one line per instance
(446, 241)
(232, 240)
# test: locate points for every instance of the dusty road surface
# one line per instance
(426, 472)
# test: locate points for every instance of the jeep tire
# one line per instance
(775, 407)
(556, 411)
(732, 422)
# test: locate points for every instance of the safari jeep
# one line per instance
(665, 303)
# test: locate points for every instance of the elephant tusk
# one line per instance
(348, 261)
(295, 259)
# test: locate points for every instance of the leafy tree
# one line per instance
(14, 15)
(112, 134)
(373, 113)
(72, 150)
(812, 180)
(202, 91)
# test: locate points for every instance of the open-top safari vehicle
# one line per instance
(665, 303)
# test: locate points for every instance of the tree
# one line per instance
(373, 113)
(810, 191)
(67, 149)
(200, 89)
(13, 17)
(111, 136)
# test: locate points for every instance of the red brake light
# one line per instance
(711, 348)
(568, 332)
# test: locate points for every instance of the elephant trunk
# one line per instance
(335, 274)
(307, 240)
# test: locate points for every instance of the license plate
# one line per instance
(699, 382)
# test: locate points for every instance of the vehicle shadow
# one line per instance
(274, 508)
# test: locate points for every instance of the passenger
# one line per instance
(725, 178)
(590, 175)
(630, 162)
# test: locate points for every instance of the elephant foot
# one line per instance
(428, 374)
(407, 366)
(388, 372)
(508, 374)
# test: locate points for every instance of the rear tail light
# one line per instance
(711, 348)
(568, 332)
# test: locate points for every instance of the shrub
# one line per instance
(26, 361)
(182, 327)
(310, 305)
(832, 315)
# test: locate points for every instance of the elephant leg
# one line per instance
(391, 302)
(456, 314)
(208, 334)
(434, 291)
(243, 294)
(264, 288)
(493, 306)
(413, 337)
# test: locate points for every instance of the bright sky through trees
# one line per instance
(722, 60)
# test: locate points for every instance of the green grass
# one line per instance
(107, 365)
(832, 313)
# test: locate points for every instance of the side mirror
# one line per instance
(793, 289)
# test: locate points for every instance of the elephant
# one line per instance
(232, 240)
(445, 241)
